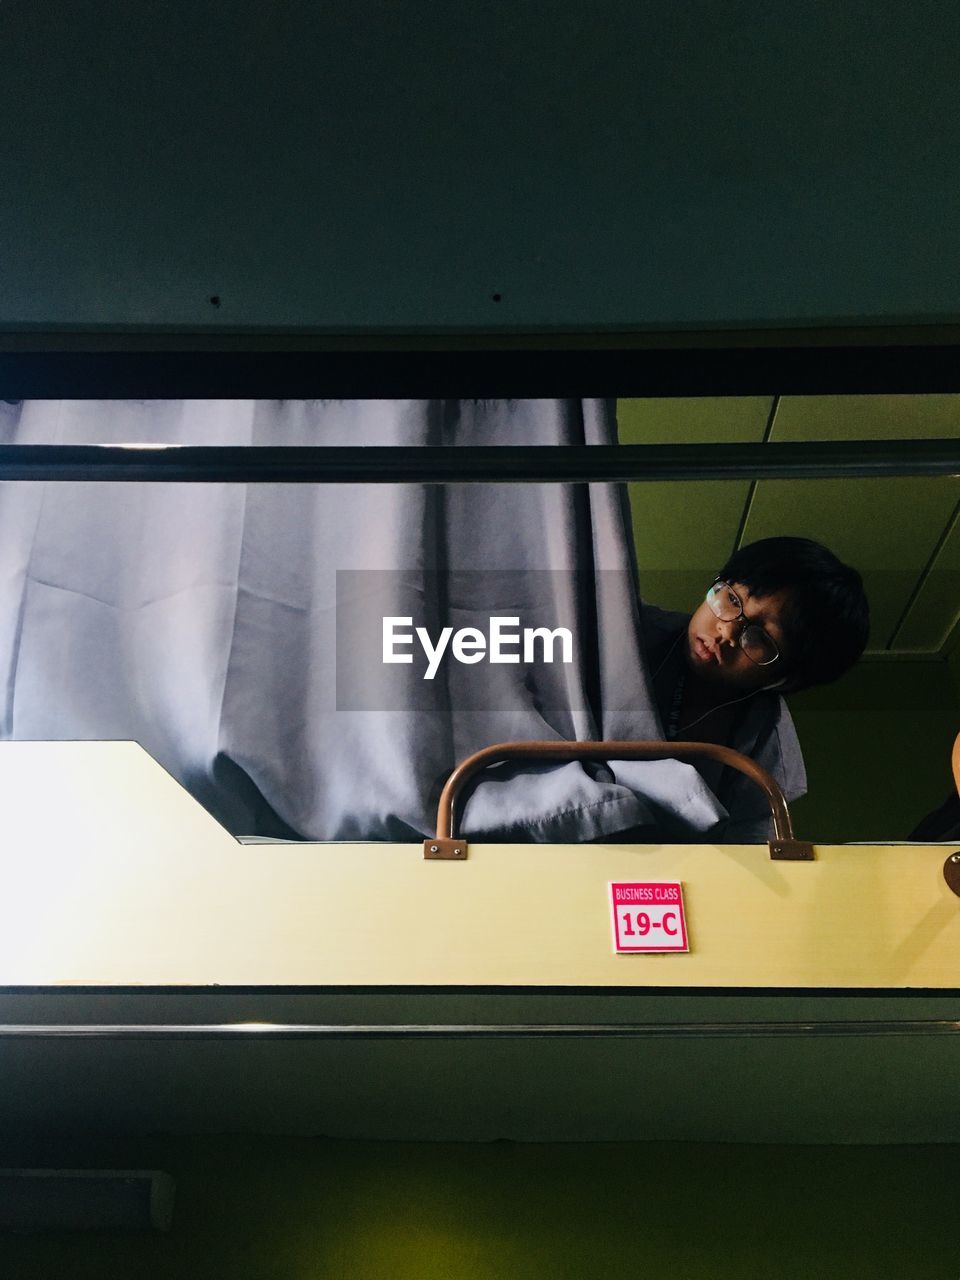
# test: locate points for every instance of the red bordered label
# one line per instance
(648, 916)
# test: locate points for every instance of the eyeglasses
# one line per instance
(754, 641)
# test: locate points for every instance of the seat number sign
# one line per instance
(648, 916)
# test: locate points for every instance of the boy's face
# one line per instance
(713, 647)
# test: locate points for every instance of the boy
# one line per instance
(782, 615)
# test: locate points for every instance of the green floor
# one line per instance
(302, 1209)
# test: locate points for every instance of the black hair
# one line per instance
(827, 618)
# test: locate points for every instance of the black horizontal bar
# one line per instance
(337, 464)
(754, 367)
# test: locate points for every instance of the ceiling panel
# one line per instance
(867, 417)
(694, 419)
(685, 531)
(887, 528)
(691, 529)
(890, 529)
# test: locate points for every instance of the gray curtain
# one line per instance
(234, 631)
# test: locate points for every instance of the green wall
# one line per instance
(953, 666)
(306, 1209)
(877, 749)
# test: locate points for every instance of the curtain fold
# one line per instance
(235, 631)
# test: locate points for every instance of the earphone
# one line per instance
(752, 694)
(763, 689)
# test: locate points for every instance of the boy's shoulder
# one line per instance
(767, 734)
(658, 623)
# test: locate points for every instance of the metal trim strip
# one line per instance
(251, 1031)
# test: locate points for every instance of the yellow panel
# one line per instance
(887, 528)
(105, 883)
(867, 417)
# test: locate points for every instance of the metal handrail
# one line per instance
(478, 464)
(245, 1031)
(446, 846)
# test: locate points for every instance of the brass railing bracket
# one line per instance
(444, 849)
(791, 851)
